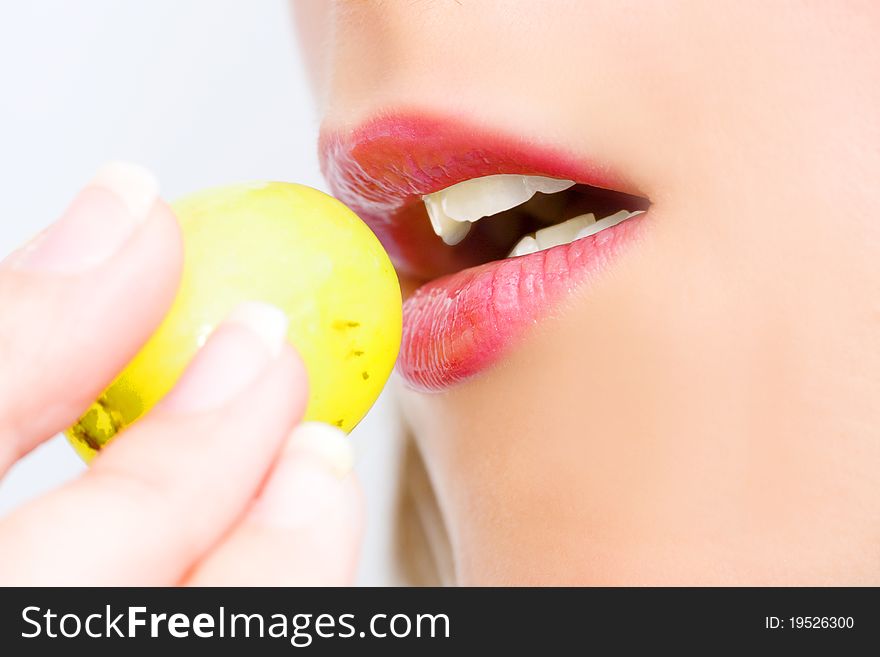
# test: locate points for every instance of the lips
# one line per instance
(473, 303)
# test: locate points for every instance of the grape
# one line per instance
(288, 245)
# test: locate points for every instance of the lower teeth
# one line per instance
(567, 231)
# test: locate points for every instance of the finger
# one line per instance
(79, 301)
(305, 527)
(167, 489)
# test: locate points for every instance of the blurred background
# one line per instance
(204, 92)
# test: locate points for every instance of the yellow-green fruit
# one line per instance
(284, 244)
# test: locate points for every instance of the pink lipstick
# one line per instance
(474, 302)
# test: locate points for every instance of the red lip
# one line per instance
(460, 323)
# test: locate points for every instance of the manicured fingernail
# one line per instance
(266, 321)
(309, 478)
(236, 353)
(98, 222)
(132, 184)
(327, 444)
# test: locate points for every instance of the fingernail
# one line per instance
(309, 478)
(132, 184)
(236, 353)
(327, 444)
(98, 222)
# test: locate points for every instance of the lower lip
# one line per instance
(459, 325)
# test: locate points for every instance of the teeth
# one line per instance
(451, 231)
(474, 199)
(607, 222)
(568, 231)
(525, 246)
(453, 209)
(564, 232)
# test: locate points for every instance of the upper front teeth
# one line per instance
(452, 210)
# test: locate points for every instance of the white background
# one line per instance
(204, 92)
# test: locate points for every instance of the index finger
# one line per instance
(79, 301)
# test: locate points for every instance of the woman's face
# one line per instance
(691, 396)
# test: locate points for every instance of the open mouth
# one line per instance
(497, 230)
(514, 215)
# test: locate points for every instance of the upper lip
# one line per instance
(382, 168)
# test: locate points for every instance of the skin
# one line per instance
(704, 413)
(707, 411)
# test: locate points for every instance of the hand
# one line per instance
(217, 485)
